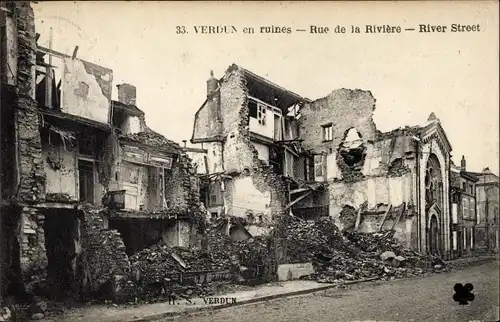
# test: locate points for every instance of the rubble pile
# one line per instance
(305, 240)
(153, 138)
(340, 256)
(58, 197)
(104, 257)
(253, 251)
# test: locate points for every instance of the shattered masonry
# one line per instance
(86, 180)
(340, 162)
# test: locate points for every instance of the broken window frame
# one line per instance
(319, 160)
(327, 132)
(465, 208)
(92, 189)
(309, 169)
(214, 192)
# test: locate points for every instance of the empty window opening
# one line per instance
(252, 109)
(86, 180)
(328, 132)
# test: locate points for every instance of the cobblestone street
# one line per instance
(414, 299)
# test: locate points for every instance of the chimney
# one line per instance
(184, 141)
(463, 163)
(212, 83)
(127, 94)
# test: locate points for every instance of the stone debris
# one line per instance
(157, 270)
(351, 255)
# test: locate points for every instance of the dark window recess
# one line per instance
(252, 109)
(87, 144)
(203, 195)
(86, 180)
(309, 169)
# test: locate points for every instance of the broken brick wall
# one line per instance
(103, 256)
(241, 158)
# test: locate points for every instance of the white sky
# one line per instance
(455, 75)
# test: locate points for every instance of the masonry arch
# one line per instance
(434, 200)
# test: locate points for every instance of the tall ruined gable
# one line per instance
(31, 172)
(345, 109)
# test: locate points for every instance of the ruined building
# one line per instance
(249, 143)
(266, 151)
(79, 168)
(488, 218)
(463, 209)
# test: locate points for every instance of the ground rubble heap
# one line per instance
(350, 255)
(160, 271)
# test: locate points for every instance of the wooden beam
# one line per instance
(49, 75)
(403, 209)
(358, 218)
(299, 190)
(297, 200)
(385, 216)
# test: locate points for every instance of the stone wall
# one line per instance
(240, 157)
(31, 173)
(33, 257)
(346, 109)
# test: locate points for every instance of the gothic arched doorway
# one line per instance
(434, 204)
(433, 235)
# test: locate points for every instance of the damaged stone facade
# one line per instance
(395, 180)
(75, 165)
(340, 164)
(241, 127)
(23, 178)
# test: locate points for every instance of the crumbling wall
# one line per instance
(29, 168)
(238, 153)
(31, 173)
(241, 159)
(374, 191)
(33, 258)
(87, 90)
(346, 109)
(59, 164)
(181, 186)
(103, 256)
(388, 157)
